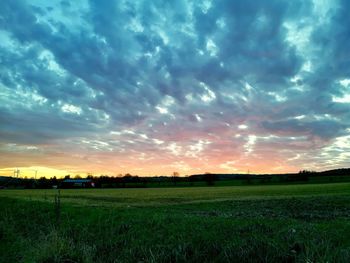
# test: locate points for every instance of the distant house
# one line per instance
(77, 183)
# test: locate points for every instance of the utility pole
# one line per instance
(16, 172)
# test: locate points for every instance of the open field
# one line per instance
(171, 196)
(274, 223)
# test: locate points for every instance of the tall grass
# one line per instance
(300, 228)
(58, 207)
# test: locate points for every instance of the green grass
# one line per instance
(286, 223)
(171, 196)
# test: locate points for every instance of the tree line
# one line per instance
(135, 181)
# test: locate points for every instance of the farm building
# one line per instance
(77, 183)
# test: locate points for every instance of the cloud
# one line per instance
(182, 73)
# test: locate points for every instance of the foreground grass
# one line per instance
(287, 224)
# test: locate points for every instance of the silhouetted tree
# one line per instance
(54, 180)
(175, 177)
(209, 178)
(304, 175)
(43, 183)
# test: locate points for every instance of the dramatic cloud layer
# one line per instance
(151, 87)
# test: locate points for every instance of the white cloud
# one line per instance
(68, 108)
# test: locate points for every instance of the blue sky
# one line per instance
(151, 87)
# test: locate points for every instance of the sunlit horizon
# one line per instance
(37, 172)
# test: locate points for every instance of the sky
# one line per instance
(156, 86)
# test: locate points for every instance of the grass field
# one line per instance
(272, 223)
